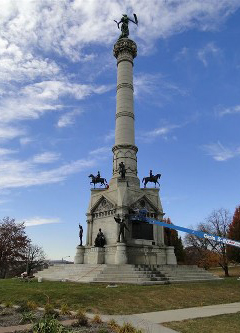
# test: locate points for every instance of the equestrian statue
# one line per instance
(98, 179)
(151, 179)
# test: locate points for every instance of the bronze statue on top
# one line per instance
(122, 170)
(124, 28)
(98, 179)
(151, 179)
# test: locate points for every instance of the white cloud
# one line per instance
(33, 221)
(9, 132)
(68, 118)
(109, 136)
(102, 151)
(5, 151)
(210, 50)
(162, 131)
(155, 85)
(23, 173)
(46, 157)
(220, 153)
(36, 99)
(231, 110)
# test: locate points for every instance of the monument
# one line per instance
(112, 206)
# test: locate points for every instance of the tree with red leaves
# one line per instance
(13, 244)
(234, 233)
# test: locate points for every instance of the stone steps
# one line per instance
(139, 274)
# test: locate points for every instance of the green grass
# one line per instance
(125, 299)
(229, 323)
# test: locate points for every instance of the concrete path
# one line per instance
(151, 322)
(189, 313)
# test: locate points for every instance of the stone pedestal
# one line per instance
(96, 255)
(79, 257)
(121, 254)
(171, 258)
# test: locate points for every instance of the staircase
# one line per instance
(132, 274)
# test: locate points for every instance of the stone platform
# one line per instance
(129, 274)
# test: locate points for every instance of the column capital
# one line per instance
(123, 48)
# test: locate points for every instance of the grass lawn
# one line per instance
(233, 271)
(229, 323)
(125, 299)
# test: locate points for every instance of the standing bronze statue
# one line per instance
(80, 233)
(122, 227)
(122, 170)
(151, 179)
(124, 27)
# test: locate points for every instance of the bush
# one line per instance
(128, 328)
(97, 319)
(103, 330)
(64, 309)
(27, 317)
(49, 311)
(8, 304)
(31, 305)
(48, 325)
(113, 325)
(82, 318)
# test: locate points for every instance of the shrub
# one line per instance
(82, 318)
(128, 328)
(49, 311)
(113, 325)
(27, 317)
(8, 304)
(64, 309)
(31, 305)
(97, 319)
(48, 325)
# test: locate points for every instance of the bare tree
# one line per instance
(216, 224)
(35, 258)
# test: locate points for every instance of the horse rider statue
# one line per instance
(152, 179)
(98, 179)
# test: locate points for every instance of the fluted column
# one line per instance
(124, 150)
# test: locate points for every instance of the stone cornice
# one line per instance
(125, 113)
(125, 45)
(124, 146)
(125, 85)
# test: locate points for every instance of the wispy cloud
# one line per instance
(34, 221)
(109, 136)
(46, 157)
(163, 131)
(5, 151)
(208, 51)
(221, 153)
(101, 152)
(230, 110)
(24, 173)
(68, 118)
(155, 85)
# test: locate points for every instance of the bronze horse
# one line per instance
(96, 180)
(153, 179)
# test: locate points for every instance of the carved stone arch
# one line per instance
(103, 207)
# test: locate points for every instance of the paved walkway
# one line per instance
(151, 322)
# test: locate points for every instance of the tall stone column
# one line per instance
(124, 150)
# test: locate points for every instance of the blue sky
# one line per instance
(57, 108)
